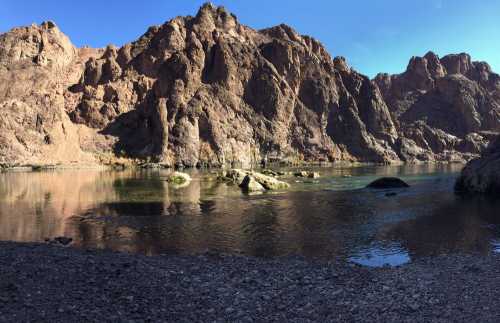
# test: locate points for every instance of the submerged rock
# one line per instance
(179, 178)
(388, 182)
(307, 174)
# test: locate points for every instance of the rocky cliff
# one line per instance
(206, 90)
(443, 106)
(482, 175)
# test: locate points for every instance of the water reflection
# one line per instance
(455, 225)
(140, 212)
(379, 256)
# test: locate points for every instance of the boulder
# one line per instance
(482, 175)
(249, 184)
(387, 182)
(313, 175)
(270, 183)
(235, 175)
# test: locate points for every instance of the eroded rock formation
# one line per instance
(206, 90)
(445, 108)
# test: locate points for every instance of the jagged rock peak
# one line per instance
(283, 31)
(42, 44)
(431, 65)
(426, 68)
(49, 24)
(341, 64)
(219, 17)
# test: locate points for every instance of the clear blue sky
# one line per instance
(374, 35)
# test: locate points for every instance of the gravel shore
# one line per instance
(47, 283)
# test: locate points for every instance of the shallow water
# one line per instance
(332, 217)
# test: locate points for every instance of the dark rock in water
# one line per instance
(63, 240)
(391, 194)
(482, 175)
(270, 172)
(388, 182)
(307, 174)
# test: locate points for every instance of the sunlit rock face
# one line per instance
(445, 108)
(207, 90)
(37, 65)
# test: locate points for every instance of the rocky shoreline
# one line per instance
(43, 282)
(141, 165)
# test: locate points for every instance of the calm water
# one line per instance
(333, 217)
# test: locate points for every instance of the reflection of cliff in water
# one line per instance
(138, 211)
(135, 220)
(460, 225)
(37, 205)
(309, 223)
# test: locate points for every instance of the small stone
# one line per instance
(63, 240)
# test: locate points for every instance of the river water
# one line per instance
(332, 217)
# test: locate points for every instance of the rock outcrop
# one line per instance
(482, 175)
(247, 179)
(250, 185)
(37, 65)
(445, 109)
(207, 90)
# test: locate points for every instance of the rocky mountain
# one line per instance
(443, 105)
(207, 90)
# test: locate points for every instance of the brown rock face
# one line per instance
(446, 108)
(482, 175)
(37, 64)
(206, 90)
